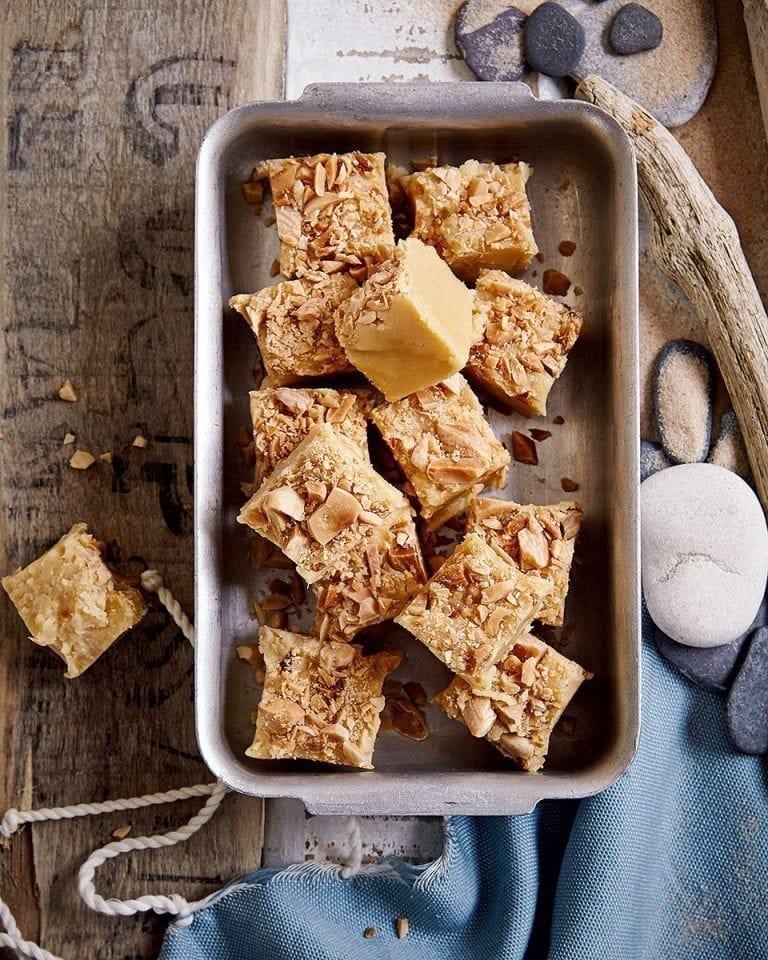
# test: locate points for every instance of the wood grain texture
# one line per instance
(105, 109)
(697, 244)
(756, 19)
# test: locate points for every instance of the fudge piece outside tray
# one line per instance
(444, 446)
(539, 540)
(525, 344)
(332, 212)
(322, 503)
(476, 215)
(321, 700)
(294, 324)
(474, 609)
(72, 602)
(283, 416)
(410, 325)
(520, 702)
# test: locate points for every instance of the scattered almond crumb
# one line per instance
(578, 290)
(401, 926)
(559, 421)
(274, 268)
(120, 833)
(524, 449)
(140, 442)
(81, 460)
(540, 257)
(270, 221)
(369, 933)
(567, 248)
(67, 392)
(68, 438)
(105, 457)
(540, 435)
(555, 284)
(568, 485)
(415, 692)
(253, 192)
(408, 720)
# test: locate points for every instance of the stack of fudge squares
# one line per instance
(366, 330)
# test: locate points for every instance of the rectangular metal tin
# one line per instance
(583, 189)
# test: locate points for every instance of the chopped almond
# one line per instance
(81, 460)
(67, 392)
(524, 449)
(68, 438)
(141, 442)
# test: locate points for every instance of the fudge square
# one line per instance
(526, 342)
(295, 327)
(322, 503)
(332, 212)
(410, 325)
(321, 701)
(444, 446)
(374, 584)
(476, 215)
(539, 540)
(72, 602)
(474, 609)
(519, 706)
(283, 416)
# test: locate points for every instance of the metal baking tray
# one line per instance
(583, 189)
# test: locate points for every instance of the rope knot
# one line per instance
(10, 823)
(151, 581)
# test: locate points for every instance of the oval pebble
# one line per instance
(634, 29)
(747, 711)
(554, 40)
(704, 553)
(488, 35)
(683, 388)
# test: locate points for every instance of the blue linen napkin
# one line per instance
(670, 862)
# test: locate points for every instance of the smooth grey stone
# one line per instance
(683, 389)
(554, 41)
(488, 35)
(704, 553)
(652, 459)
(747, 711)
(634, 29)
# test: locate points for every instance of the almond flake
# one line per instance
(534, 549)
(524, 449)
(67, 392)
(478, 715)
(338, 512)
(287, 501)
(68, 438)
(120, 833)
(81, 460)
(105, 457)
(141, 442)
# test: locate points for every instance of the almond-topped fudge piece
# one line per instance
(321, 700)
(374, 585)
(410, 325)
(322, 503)
(332, 212)
(444, 446)
(539, 540)
(295, 327)
(526, 342)
(476, 215)
(519, 705)
(71, 601)
(474, 609)
(283, 416)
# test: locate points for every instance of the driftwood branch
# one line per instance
(756, 19)
(696, 243)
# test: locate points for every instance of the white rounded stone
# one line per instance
(704, 553)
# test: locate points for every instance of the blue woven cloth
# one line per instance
(670, 862)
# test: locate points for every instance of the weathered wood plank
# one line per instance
(105, 108)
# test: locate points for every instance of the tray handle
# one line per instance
(374, 98)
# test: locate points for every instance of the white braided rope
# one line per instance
(354, 862)
(152, 582)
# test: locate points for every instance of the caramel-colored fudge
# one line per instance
(476, 215)
(321, 700)
(283, 416)
(332, 212)
(322, 503)
(410, 325)
(444, 446)
(539, 540)
(474, 609)
(526, 342)
(294, 323)
(519, 705)
(374, 584)
(72, 602)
